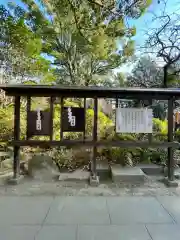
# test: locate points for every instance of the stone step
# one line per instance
(151, 169)
(76, 176)
(127, 174)
(103, 170)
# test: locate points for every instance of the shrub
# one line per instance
(160, 126)
(104, 123)
(6, 122)
(71, 158)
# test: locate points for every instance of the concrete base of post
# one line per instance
(94, 181)
(169, 183)
(15, 181)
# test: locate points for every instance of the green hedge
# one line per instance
(106, 130)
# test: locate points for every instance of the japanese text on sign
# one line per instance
(38, 123)
(73, 119)
(38, 120)
(134, 120)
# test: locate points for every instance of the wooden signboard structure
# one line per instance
(73, 119)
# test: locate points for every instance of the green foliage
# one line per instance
(145, 74)
(160, 126)
(159, 110)
(6, 122)
(71, 159)
(103, 123)
(75, 33)
(20, 50)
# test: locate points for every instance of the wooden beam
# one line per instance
(90, 143)
(84, 134)
(28, 109)
(170, 139)
(61, 128)
(150, 135)
(95, 136)
(16, 163)
(52, 115)
(89, 92)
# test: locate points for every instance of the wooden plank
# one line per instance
(95, 120)
(61, 116)
(89, 92)
(170, 139)
(150, 135)
(51, 116)
(16, 163)
(84, 133)
(28, 109)
(101, 143)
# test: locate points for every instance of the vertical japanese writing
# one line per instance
(38, 120)
(131, 120)
(71, 118)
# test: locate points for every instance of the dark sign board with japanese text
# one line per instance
(73, 119)
(38, 123)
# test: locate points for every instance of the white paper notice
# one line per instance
(134, 120)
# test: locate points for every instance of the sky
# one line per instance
(143, 24)
(146, 21)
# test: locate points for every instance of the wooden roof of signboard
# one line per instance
(90, 92)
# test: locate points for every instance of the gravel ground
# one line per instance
(31, 187)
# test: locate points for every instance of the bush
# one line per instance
(104, 123)
(160, 126)
(6, 123)
(71, 158)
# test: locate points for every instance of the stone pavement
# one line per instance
(89, 218)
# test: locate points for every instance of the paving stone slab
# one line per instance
(78, 210)
(18, 232)
(151, 169)
(130, 210)
(127, 174)
(164, 232)
(172, 205)
(113, 233)
(76, 176)
(57, 233)
(24, 210)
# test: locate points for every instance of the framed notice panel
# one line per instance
(134, 120)
(38, 123)
(73, 119)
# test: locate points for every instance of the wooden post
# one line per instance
(52, 114)
(150, 135)
(61, 131)
(95, 136)
(84, 133)
(28, 109)
(165, 69)
(16, 163)
(115, 111)
(170, 139)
